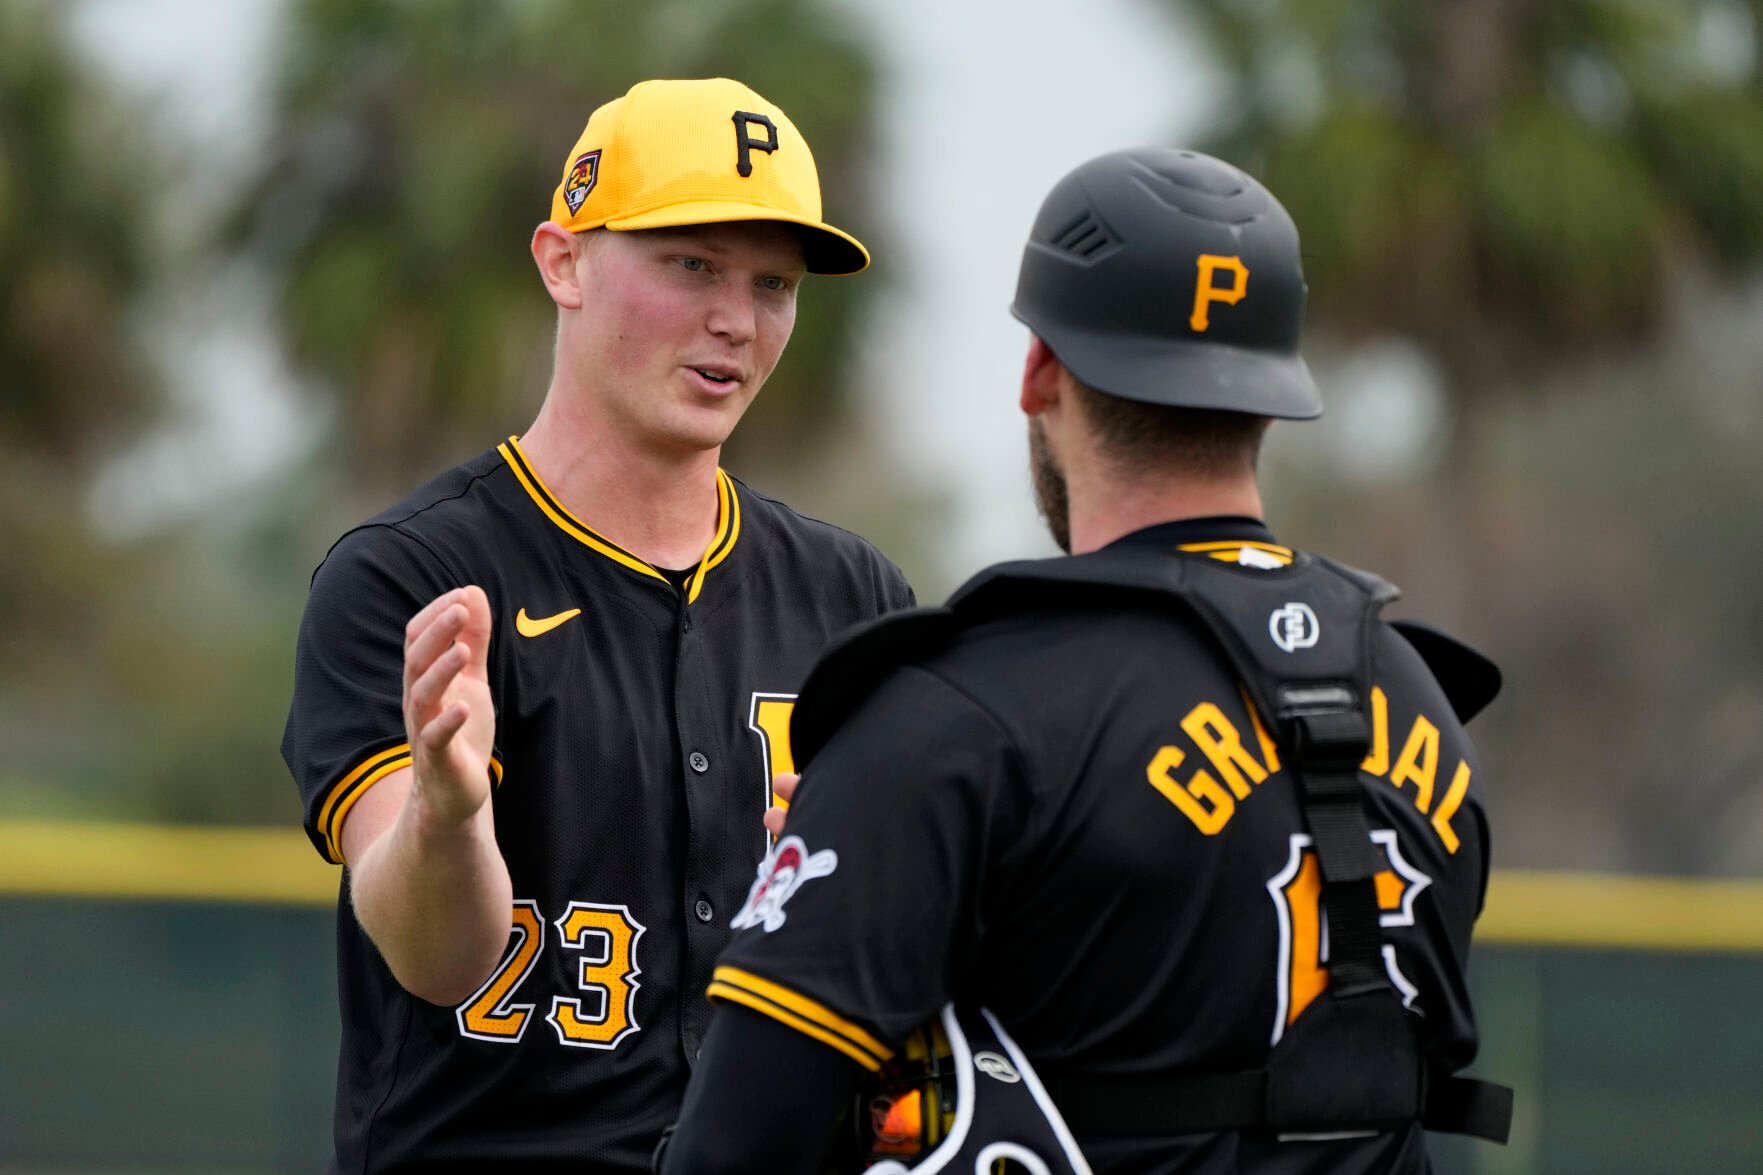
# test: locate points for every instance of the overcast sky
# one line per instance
(993, 103)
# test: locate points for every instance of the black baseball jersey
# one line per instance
(1068, 813)
(638, 726)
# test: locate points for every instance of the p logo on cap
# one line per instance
(745, 143)
(706, 151)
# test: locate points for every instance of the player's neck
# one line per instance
(661, 507)
(1105, 509)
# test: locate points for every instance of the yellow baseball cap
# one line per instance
(698, 152)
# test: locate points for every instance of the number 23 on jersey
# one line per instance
(602, 1011)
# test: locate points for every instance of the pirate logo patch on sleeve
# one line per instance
(781, 874)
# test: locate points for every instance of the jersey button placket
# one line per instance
(700, 764)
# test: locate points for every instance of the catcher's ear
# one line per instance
(1040, 378)
(555, 252)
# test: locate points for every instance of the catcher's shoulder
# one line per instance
(965, 635)
(855, 662)
(1468, 678)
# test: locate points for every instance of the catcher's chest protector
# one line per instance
(1300, 639)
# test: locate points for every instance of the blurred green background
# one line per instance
(263, 269)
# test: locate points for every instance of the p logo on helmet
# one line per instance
(1206, 289)
(1105, 283)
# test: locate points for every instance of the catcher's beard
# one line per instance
(1051, 498)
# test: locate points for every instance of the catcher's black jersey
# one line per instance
(1069, 814)
(638, 726)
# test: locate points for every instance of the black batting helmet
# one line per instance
(1170, 277)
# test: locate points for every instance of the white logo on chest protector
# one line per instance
(781, 874)
(996, 1067)
(1294, 627)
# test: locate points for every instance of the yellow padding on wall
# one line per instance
(151, 862)
(1613, 911)
(276, 866)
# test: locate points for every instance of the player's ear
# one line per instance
(1041, 384)
(554, 252)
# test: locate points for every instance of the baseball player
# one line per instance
(538, 704)
(1175, 843)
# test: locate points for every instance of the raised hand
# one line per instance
(449, 716)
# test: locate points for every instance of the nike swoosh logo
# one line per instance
(527, 626)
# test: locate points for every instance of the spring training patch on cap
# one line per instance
(584, 173)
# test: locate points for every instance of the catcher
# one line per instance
(1174, 842)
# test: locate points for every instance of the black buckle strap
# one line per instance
(1463, 1105)
(1328, 735)
(1326, 748)
(1161, 1105)
(1243, 1101)
(1355, 939)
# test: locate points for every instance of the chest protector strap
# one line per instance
(1300, 639)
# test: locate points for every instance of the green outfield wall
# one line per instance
(167, 1004)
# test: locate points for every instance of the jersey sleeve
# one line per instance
(864, 918)
(778, 1124)
(345, 729)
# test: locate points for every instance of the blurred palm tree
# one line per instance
(1501, 180)
(93, 630)
(416, 145)
(78, 201)
(1554, 198)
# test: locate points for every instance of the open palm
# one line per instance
(448, 712)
